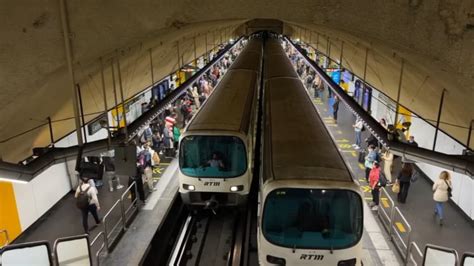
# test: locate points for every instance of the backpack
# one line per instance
(82, 200)
(363, 128)
(141, 159)
(382, 179)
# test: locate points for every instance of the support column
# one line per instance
(398, 93)
(78, 87)
(114, 86)
(106, 109)
(206, 53)
(69, 59)
(195, 57)
(150, 51)
(365, 62)
(119, 72)
(51, 136)
(469, 135)
(179, 65)
(317, 42)
(340, 58)
(439, 118)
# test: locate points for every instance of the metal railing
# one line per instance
(97, 254)
(412, 246)
(7, 237)
(386, 217)
(133, 205)
(110, 233)
(400, 224)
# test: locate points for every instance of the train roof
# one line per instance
(297, 143)
(230, 105)
(251, 56)
(276, 62)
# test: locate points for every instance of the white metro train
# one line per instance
(217, 147)
(310, 208)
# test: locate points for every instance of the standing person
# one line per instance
(404, 178)
(316, 83)
(387, 158)
(370, 159)
(87, 201)
(176, 135)
(109, 172)
(335, 107)
(442, 188)
(412, 141)
(137, 178)
(149, 154)
(358, 133)
(374, 185)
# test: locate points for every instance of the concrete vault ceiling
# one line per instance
(435, 38)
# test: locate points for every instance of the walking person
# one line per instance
(404, 179)
(374, 177)
(109, 172)
(87, 201)
(442, 192)
(335, 107)
(358, 125)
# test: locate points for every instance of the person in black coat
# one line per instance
(404, 179)
(139, 184)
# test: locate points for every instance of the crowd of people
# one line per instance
(378, 161)
(158, 141)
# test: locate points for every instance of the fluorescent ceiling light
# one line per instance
(13, 180)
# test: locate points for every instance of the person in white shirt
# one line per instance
(93, 205)
(358, 133)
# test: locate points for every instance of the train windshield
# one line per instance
(212, 156)
(313, 218)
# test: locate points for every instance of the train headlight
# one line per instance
(276, 260)
(351, 262)
(236, 188)
(189, 187)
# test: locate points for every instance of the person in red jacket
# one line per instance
(374, 176)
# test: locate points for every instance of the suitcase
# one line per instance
(362, 154)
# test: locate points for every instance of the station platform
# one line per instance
(64, 219)
(457, 231)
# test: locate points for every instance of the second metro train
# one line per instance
(310, 208)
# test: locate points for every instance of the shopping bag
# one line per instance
(396, 188)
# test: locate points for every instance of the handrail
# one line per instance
(69, 238)
(97, 254)
(458, 163)
(27, 172)
(7, 237)
(132, 205)
(104, 221)
(387, 216)
(405, 246)
(417, 249)
(440, 248)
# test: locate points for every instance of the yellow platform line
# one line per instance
(361, 166)
(400, 227)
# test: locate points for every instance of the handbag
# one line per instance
(396, 188)
(450, 190)
(414, 176)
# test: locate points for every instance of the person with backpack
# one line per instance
(109, 172)
(372, 156)
(374, 178)
(442, 189)
(404, 179)
(87, 201)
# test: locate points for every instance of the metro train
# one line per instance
(310, 208)
(217, 147)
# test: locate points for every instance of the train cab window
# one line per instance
(213, 156)
(313, 218)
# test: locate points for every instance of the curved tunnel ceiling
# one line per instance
(435, 38)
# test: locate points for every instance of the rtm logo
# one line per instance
(212, 184)
(311, 257)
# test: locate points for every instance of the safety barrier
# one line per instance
(386, 217)
(7, 238)
(132, 208)
(412, 246)
(99, 251)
